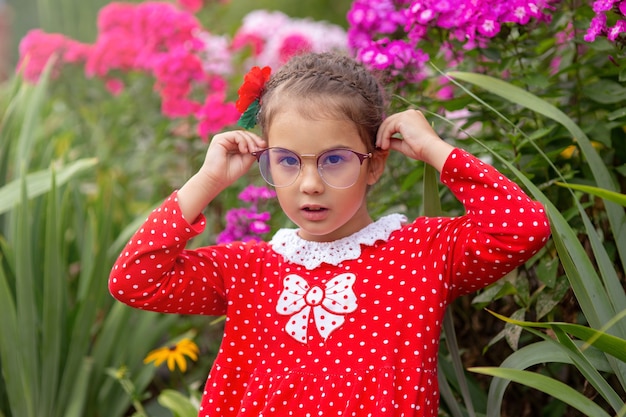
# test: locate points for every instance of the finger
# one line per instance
(252, 143)
(383, 135)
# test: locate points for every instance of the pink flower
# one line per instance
(214, 115)
(114, 85)
(600, 6)
(616, 30)
(275, 36)
(488, 26)
(253, 194)
(293, 44)
(191, 5)
(37, 48)
(243, 224)
(114, 50)
(597, 27)
(254, 41)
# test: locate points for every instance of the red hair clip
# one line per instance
(249, 95)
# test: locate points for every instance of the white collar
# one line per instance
(310, 254)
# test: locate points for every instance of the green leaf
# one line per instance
(10, 350)
(38, 183)
(607, 343)
(547, 385)
(605, 92)
(547, 351)
(53, 311)
(27, 342)
(249, 118)
(75, 405)
(432, 202)
(588, 371)
(550, 298)
(176, 402)
(598, 192)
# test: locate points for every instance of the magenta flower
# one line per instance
(376, 24)
(253, 194)
(243, 224)
(596, 28)
(598, 25)
(214, 114)
(191, 5)
(37, 48)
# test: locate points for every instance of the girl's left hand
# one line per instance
(417, 139)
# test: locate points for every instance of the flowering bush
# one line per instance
(400, 38)
(599, 24)
(247, 223)
(374, 26)
(193, 70)
(274, 37)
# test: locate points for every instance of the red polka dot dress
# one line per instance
(344, 328)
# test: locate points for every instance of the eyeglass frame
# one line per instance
(362, 157)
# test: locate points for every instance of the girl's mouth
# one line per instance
(314, 213)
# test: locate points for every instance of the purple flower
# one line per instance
(614, 32)
(247, 223)
(597, 26)
(253, 194)
(386, 35)
(600, 6)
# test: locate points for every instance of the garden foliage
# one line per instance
(94, 134)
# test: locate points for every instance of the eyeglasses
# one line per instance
(339, 168)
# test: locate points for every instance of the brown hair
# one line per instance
(326, 85)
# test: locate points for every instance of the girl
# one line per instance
(340, 316)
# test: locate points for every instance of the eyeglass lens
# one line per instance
(339, 168)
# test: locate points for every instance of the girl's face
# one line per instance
(323, 213)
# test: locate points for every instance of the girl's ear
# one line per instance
(377, 165)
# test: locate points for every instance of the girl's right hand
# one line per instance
(227, 159)
(229, 156)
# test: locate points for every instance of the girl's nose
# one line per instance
(310, 180)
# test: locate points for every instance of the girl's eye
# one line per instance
(288, 161)
(333, 158)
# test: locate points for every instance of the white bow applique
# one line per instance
(329, 304)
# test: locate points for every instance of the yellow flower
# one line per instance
(174, 354)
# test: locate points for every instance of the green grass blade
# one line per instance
(177, 403)
(10, 349)
(432, 202)
(80, 329)
(607, 343)
(54, 283)
(26, 306)
(31, 119)
(547, 385)
(617, 198)
(77, 401)
(588, 371)
(547, 351)
(39, 183)
(447, 396)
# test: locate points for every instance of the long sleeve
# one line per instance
(154, 271)
(502, 227)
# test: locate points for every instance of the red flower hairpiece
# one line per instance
(250, 93)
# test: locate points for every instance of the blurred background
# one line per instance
(75, 18)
